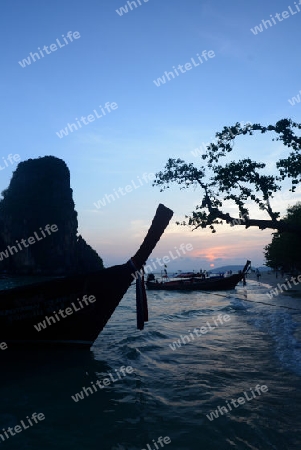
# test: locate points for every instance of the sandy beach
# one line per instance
(286, 283)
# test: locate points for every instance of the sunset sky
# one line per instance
(115, 58)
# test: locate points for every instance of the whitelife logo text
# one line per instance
(280, 17)
(166, 260)
(203, 330)
(183, 68)
(86, 119)
(128, 188)
(49, 320)
(102, 384)
(23, 426)
(11, 158)
(31, 240)
(124, 9)
(221, 410)
(53, 48)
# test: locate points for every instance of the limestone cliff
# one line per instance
(39, 194)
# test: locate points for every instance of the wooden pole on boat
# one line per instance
(159, 223)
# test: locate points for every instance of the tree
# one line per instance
(284, 252)
(237, 181)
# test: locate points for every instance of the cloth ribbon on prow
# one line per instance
(141, 298)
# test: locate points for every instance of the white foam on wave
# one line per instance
(239, 304)
(281, 326)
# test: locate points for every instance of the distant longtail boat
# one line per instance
(197, 283)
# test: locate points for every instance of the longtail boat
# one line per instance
(195, 283)
(73, 310)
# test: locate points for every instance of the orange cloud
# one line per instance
(212, 253)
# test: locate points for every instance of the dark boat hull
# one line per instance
(24, 307)
(221, 284)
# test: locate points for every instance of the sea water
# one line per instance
(172, 390)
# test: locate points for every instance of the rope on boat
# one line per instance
(141, 298)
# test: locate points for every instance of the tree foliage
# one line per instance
(240, 182)
(284, 252)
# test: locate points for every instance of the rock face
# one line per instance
(39, 194)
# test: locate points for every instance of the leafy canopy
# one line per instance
(284, 252)
(240, 182)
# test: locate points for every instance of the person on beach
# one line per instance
(258, 275)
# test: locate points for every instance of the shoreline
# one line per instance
(269, 278)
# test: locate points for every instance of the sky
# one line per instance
(112, 57)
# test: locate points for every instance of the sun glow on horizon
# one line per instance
(213, 253)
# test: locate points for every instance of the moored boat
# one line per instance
(73, 310)
(195, 283)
